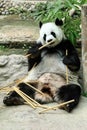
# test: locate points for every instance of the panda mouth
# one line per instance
(51, 43)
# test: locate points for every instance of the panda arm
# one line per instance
(35, 57)
(71, 59)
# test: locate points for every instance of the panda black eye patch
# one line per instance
(44, 37)
(53, 33)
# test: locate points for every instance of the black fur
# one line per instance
(53, 33)
(26, 89)
(58, 22)
(44, 37)
(14, 99)
(40, 24)
(69, 92)
(35, 57)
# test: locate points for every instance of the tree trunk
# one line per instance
(84, 46)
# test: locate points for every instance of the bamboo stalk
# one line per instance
(41, 47)
(17, 81)
(35, 102)
(34, 88)
(30, 101)
(33, 81)
(6, 90)
(1, 107)
(56, 106)
(46, 45)
(25, 98)
(6, 86)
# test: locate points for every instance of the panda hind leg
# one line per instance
(66, 93)
(13, 98)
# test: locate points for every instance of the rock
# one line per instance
(12, 67)
(3, 60)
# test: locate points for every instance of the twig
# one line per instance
(46, 44)
(32, 81)
(2, 107)
(41, 47)
(35, 102)
(34, 88)
(25, 98)
(8, 88)
(29, 100)
(57, 106)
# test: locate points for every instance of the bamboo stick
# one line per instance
(56, 106)
(31, 101)
(34, 88)
(46, 44)
(33, 81)
(25, 98)
(1, 107)
(35, 102)
(42, 47)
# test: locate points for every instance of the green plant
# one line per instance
(2, 47)
(84, 94)
(62, 9)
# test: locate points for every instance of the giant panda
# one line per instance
(50, 69)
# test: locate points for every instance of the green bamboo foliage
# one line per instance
(68, 10)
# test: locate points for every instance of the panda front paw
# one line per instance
(34, 50)
(67, 60)
(72, 63)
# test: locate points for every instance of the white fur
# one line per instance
(50, 63)
(47, 28)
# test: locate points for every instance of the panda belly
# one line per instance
(49, 83)
(49, 64)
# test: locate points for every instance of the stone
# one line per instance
(3, 60)
(12, 67)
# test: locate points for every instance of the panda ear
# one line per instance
(58, 22)
(40, 24)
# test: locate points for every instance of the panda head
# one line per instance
(51, 32)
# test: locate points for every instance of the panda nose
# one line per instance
(49, 40)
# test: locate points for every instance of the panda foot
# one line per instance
(68, 107)
(11, 100)
(66, 93)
